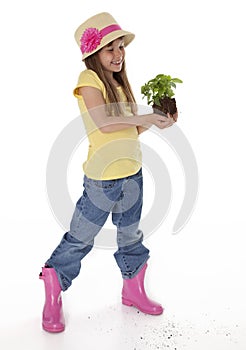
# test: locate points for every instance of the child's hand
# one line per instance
(162, 121)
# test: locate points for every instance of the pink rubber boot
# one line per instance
(53, 319)
(133, 294)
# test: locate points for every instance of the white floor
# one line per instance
(199, 281)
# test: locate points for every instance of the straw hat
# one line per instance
(99, 31)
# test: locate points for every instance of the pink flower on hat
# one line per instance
(90, 40)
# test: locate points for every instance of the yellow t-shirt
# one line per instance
(111, 155)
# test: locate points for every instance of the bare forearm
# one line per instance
(111, 124)
(108, 124)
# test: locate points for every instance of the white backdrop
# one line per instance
(200, 42)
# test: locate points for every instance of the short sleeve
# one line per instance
(89, 78)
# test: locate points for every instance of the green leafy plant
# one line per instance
(159, 88)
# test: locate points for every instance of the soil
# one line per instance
(168, 105)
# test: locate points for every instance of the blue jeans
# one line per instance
(121, 197)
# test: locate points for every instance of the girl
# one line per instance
(113, 175)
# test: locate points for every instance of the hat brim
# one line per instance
(128, 37)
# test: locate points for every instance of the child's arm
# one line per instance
(95, 102)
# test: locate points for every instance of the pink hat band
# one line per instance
(92, 37)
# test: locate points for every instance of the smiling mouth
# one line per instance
(117, 62)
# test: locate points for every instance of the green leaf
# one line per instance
(157, 101)
(177, 80)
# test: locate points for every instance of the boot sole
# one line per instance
(53, 330)
(130, 303)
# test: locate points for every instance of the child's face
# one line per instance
(112, 56)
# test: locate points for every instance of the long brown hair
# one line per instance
(92, 62)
